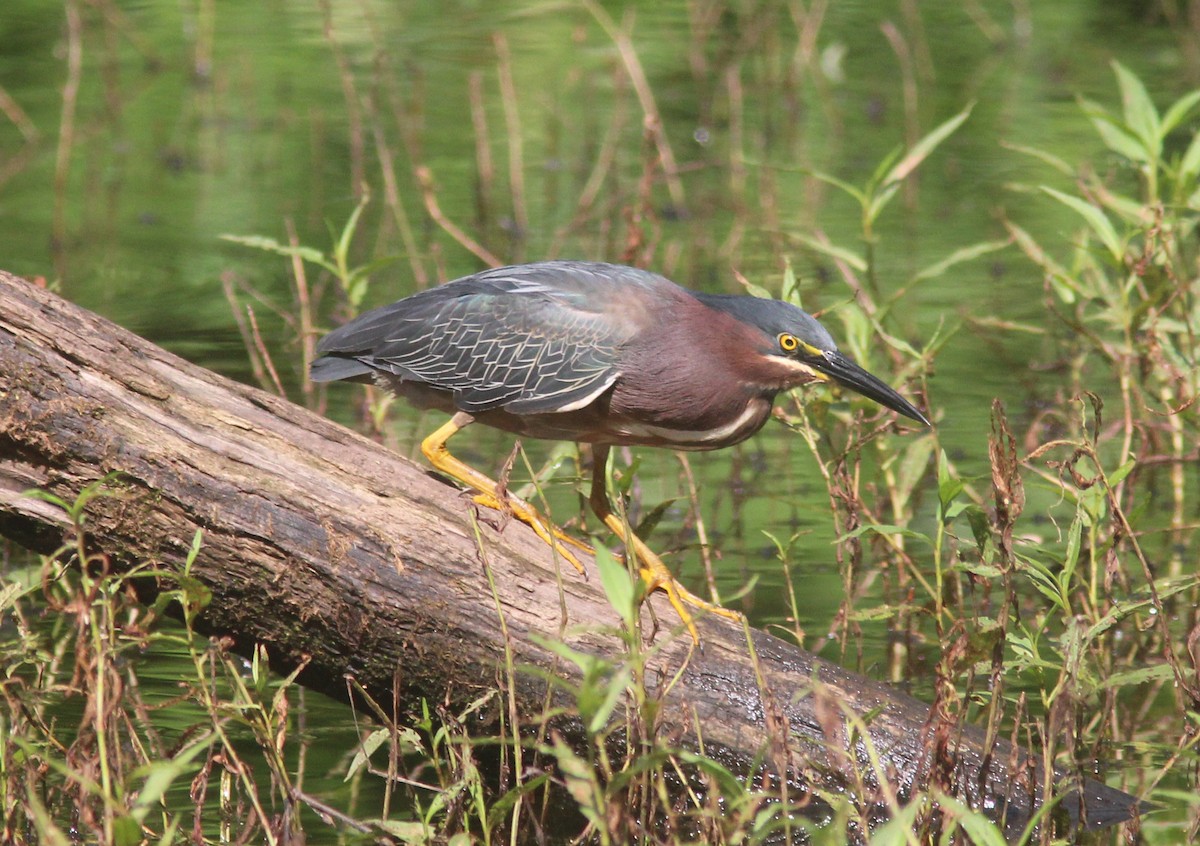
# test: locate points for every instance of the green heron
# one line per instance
(593, 353)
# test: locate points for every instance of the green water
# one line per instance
(196, 120)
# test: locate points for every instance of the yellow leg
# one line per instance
(653, 571)
(434, 448)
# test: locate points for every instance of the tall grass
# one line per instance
(1053, 600)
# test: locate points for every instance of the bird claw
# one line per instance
(554, 537)
(656, 577)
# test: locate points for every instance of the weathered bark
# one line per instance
(324, 545)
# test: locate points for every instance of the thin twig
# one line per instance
(912, 121)
(235, 307)
(701, 531)
(329, 813)
(425, 179)
(512, 125)
(641, 86)
(17, 115)
(737, 159)
(391, 197)
(306, 330)
(484, 166)
(354, 124)
(385, 76)
(262, 350)
(602, 166)
(66, 133)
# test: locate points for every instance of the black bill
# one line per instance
(845, 372)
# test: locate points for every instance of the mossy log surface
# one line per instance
(328, 548)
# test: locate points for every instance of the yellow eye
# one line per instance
(788, 343)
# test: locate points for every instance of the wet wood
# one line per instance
(324, 546)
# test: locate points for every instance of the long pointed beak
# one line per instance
(845, 372)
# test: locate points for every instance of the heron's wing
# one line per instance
(526, 339)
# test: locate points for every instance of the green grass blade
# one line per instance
(1189, 167)
(921, 150)
(1041, 155)
(959, 256)
(1096, 220)
(1140, 114)
(1121, 142)
(618, 586)
(834, 252)
(1179, 110)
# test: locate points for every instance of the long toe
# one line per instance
(667, 584)
(711, 607)
(555, 537)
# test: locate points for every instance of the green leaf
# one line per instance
(259, 242)
(1189, 167)
(1140, 114)
(1157, 672)
(981, 527)
(342, 247)
(1121, 142)
(885, 166)
(580, 780)
(600, 697)
(618, 585)
(1178, 111)
(957, 507)
(980, 830)
(161, 774)
(126, 831)
(857, 333)
(790, 291)
(912, 466)
(730, 784)
(898, 831)
(987, 571)
(1130, 210)
(1121, 472)
(838, 253)
(11, 592)
(870, 615)
(1095, 218)
(498, 812)
(1044, 581)
(583, 660)
(959, 256)
(477, 705)
(46, 496)
(883, 529)
(755, 290)
(948, 486)
(841, 184)
(879, 201)
(1074, 539)
(405, 831)
(921, 150)
(194, 551)
(1041, 155)
(1036, 254)
(365, 750)
(1165, 588)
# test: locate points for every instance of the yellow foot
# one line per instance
(654, 572)
(656, 576)
(555, 537)
(434, 448)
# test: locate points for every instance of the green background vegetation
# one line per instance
(1042, 253)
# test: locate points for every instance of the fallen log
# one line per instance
(330, 549)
